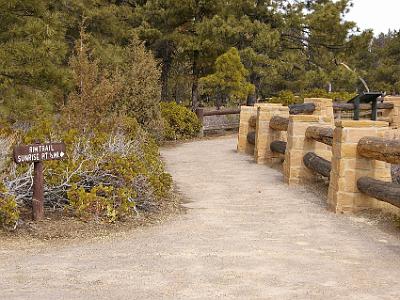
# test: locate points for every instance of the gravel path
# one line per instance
(246, 236)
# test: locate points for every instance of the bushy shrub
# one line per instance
(335, 96)
(179, 122)
(110, 174)
(285, 98)
(9, 213)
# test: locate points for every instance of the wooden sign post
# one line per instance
(36, 154)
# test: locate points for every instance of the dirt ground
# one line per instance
(245, 235)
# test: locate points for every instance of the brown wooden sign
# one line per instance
(39, 152)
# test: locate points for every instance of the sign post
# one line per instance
(36, 154)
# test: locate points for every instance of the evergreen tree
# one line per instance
(229, 80)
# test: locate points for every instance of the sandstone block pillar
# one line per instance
(246, 113)
(298, 145)
(265, 135)
(348, 166)
(323, 109)
(393, 114)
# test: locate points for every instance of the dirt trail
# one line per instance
(246, 236)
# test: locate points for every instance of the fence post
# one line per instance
(265, 135)
(323, 109)
(246, 113)
(393, 114)
(348, 166)
(298, 145)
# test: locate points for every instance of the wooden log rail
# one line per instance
(278, 147)
(222, 112)
(380, 149)
(253, 122)
(350, 106)
(381, 190)
(251, 138)
(279, 123)
(317, 164)
(304, 108)
(384, 150)
(320, 134)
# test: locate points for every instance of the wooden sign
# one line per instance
(37, 153)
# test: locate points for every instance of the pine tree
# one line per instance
(229, 80)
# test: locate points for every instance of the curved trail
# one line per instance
(246, 235)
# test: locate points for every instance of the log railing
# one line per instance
(202, 113)
(251, 138)
(350, 106)
(317, 164)
(279, 123)
(320, 134)
(383, 150)
(302, 109)
(380, 149)
(381, 190)
(278, 147)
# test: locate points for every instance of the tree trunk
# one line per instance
(165, 69)
(320, 134)
(253, 121)
(381, 190)
(380, 149)
(195, 83)
(279, 123)
(317, 164)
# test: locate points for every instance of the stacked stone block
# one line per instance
(393, 114)
(295, 172)
(246, 113)
(265, 135)
(323, 109)
(348, 166)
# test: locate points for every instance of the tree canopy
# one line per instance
(283, 45)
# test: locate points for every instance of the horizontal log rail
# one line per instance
(222, 112)
(304, 108)
(380, 149)
(381, 190)
(320, 134)
(279, 123)
(253, 121)
(350, 106)
(317, 164)
(278, 147)
(251, 138)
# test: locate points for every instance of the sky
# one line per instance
(379, 15)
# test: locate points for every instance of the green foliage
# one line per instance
(33, 74)
(141, 89)
(286, 98)
(179, 122)
(9, 213)
(111, 173)
(229, 80)
(335, 96)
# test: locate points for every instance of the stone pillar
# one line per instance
(246, 113)
(393, 114)
(265, 135)
(348, 166)
(298, 145)
(323, 109)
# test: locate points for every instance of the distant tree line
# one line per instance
(207, 50)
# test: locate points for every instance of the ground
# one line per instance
(246, 235)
